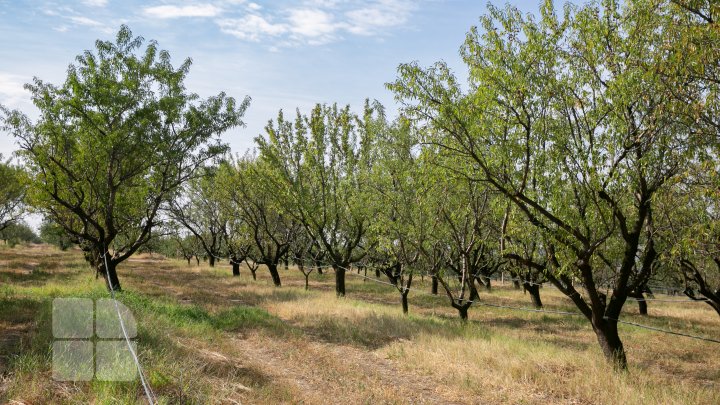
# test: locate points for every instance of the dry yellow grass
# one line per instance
(207, 337)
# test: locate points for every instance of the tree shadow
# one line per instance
(373, 331)
(21, 320)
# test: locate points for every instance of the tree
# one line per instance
(253, 198)
(320, 167)
(691, 217)
(690, 231)
(470, 239)
(400, 221)
(303, 254)
(18, 232)
(199, 209)
(54, 234)
(12, 193)
(576, 107)
(114, 143)
(529, 251)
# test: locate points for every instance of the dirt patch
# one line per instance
(321, 372)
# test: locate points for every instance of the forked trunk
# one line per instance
(463, 311)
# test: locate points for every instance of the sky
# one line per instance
(283, 54)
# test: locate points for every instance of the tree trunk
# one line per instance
(197, 259)
(110, 275)
(307, 283)
(253, 270)
(274, 274)
(286, 262)
(642, 304)
(610, 343)
(339, 281)
(434, 289)
(534, 291)
(463, 311)
(377, 273)
(211, 260)
(486, 282)
(235, 268)
(405, 302)
(188, 260)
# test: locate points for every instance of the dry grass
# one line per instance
(208, 337)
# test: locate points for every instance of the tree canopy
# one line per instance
(114, 143)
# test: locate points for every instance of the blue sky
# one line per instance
(284, 54)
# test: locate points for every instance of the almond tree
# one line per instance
(198, 208)
(320, 165)
(401, 219)
(115, 142)
(252, 197)
(577, 105)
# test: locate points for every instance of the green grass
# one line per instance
(207, 337)
(26, 300)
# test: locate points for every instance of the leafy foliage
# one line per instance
(115, 141)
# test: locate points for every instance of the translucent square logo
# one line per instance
(90, 342)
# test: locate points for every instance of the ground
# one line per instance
(207, 337)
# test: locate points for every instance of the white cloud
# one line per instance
(382, 14)
(95, 3)
(312, 23)
(251, 27)
(168, 11)
(315, 22)
(322, 3)
(85, 21)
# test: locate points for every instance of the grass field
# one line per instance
(206, 337)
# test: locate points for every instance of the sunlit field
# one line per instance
(205, 336)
